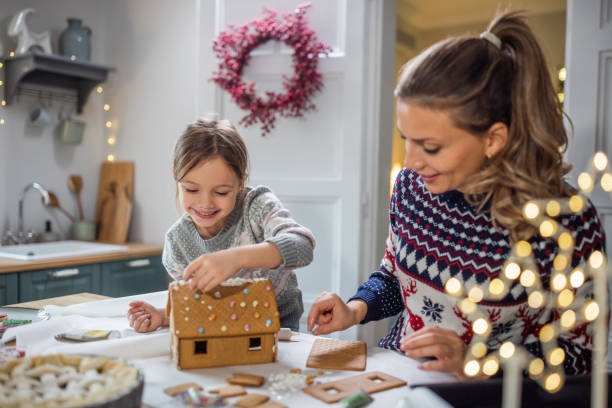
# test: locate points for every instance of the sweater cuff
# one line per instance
(369, 298)
(286, 247)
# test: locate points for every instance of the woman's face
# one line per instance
(443, 155)
(208, 194)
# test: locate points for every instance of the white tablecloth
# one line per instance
(150, 352)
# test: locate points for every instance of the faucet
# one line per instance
(21, 236)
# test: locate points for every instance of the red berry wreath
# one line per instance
(233, 49)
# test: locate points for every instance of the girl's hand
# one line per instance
(331, 314)
(445, 345)
(144, 318)
(210, 270)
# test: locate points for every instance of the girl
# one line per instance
(484, 134)
(227, 229)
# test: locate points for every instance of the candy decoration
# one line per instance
(255, 303)
(200, 330)
(196, 296)
(247, 327)
(234, 316)
(268, 323)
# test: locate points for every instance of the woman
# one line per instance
(484, 135)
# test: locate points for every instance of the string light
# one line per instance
(559, 281)
(475, 294)
(585, 182)
(512, 270)
(591, 310)
(507, 349)
(535, 299)
(523, 249)
(106, 107)
(496, 287)
(110, 157)
(531, 210)
(480, 326)
(552, 383)
(111, 140)
(453, 286)
(1, 121)
(99, 90)
(556, 356)
(565, 241)
(606, 182)
(553, 208)
(560, 262)
(479, 350)
(467, 306)
(568, 318)
(596, 260)
(600, 161)
(547, 332)
(536, 367)
(471, 368)
(566, 297)
(576, 203)
(577, 278)
(491, 366)
(527, 278)
(548, 228)
(109, 124)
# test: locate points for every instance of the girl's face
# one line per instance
(442, 154)
(208, 194)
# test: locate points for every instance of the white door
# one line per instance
(324, 166)
(588, 96)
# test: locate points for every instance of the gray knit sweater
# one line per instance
(262, 217)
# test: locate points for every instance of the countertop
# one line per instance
(135, 250)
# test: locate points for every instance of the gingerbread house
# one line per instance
(235, 323)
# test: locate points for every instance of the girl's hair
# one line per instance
(206, 139)
(479, 84)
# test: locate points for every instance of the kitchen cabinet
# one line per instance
(9, 289)
(59, 282)
(116, 278)
(48, 70)
(133, 276)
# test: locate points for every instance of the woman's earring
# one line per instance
(489, 155)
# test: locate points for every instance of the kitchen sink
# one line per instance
(59, 249)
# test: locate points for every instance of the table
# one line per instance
(150, 353)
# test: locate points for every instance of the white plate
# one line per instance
(24, 313)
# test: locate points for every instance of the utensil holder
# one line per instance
(84, 230)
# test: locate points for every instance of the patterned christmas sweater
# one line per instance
(433, 237)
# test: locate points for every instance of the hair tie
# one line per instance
(492, 38)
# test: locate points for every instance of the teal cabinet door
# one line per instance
(59, 282)
(133, 276)
(9, 289)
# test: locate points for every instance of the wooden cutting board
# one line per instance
(114, 204)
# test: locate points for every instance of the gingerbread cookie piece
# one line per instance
(337, 355)
(251, 400)
(246, 379)
(229, 391)
(177, 389)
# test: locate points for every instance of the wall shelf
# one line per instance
(50, 70)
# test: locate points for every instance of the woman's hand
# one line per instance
(331, 314)
(445, 345)
(209, 270)
(144, 318)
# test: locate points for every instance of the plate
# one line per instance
(24, 313)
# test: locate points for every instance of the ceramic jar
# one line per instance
(75, 41)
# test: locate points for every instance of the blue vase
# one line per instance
(75, 41)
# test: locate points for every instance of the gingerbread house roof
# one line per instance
(236, 307)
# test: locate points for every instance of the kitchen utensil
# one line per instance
(54, 202)
(116, 214)
(107, 213)
(75, 183)
(118, 172)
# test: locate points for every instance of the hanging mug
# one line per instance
(70, 130)
(39, 116)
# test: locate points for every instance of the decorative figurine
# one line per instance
(28, 40)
